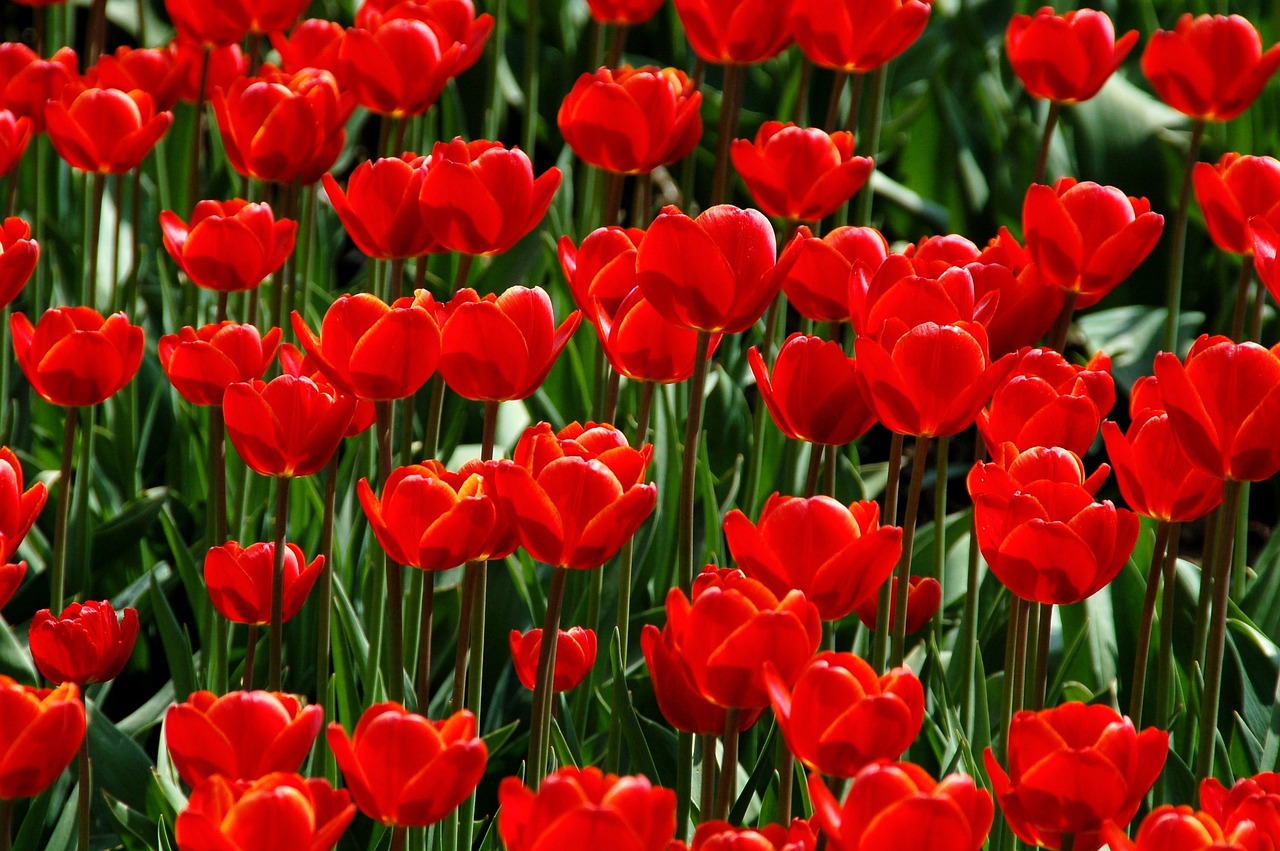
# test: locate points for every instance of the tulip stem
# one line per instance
(1046, 141)
(250, 651)
(833, 105)
(616, 43)
(277, 584)
(1041, 682)
(1010, 655)
(1062, 325)
(1217, 631)
(395, 573)
(6, 823)
(969, 648)
(82, 803)
(1068, 842)
(689, 469)
(880, 640)
(89, 284)
(1200, 632)
(424, 641)
(940, 529)
(1259, 304)
(729, 770)
(324, 621)
(540, 723)
(816, 451)
(531, 45)
(613, 186)
(899, 620)
(463, 272)
(430, 444)
(786, 772)
(464, 637)
(871, 147)
(730, 104)
(1242, 299)
(1177, 248)
(57, 576)
(197, 133)
(1148, 617)
(799, 110)
(707, 801)
(1165, 673)
(397, 838)
(97, 36)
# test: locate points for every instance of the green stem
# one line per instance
(799, 111)
(1062, 325)
(81, 521)
(1200, 632)
(493, 113)
(1259, 305)
(1165, 672)
(872, 142)
(277, 585)
(786, 774)
(424, 641)
(729, 770)
(89, 284)
(613, 186)
(395, 573)
(431, 442)
(540, 724)
(1148, 619)
(1010, 657)
(908, 545)
(324, 621)
(940, 527)
(616, 43)
(85, 796)
(197, 134)
(1217, 633)
(833, 104)
(1041, 681)
(689, 469)
(1046, 141)
(1240, 308)
(1177, 248)
(6, 823)
(730, 104)
(969, 640)
(57, 580)
(880, 639)
(250, 651)
(707, 800)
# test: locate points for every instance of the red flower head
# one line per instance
(1085, 238)
(18, 256)
(722, 836)
(898, 805)
(602, 271)
(575, 657)
(1232, 193)
(679, 700)
(230, 246)
(1266, 246)
(28, 82)
(735, 32)
(11, 576)
(239, 580)
(1170, 828)
(226, 65)
(40, 732)
(1224, 406)
(18, 509)
(234, 816)
(294, 362)
(85, 644)
(924, 595)
(710, 273)
(1049, 402)
(313, 43)
(374, 351)
(1155, 476)
(1251, 806)
(624, 13)
(459, 33)
(242, 735)
(1065, 58)
(481, 198)
(813, 394)
(154, 70)
(381, 209)
(398, 67)
(213, 24)
(15, 134)
(578, 496)
(267, 16)
(501, 347)
(281, 128)
(433, 519)
(583, 807)
(1210, 67)
(855, 36)
(908, 290)
(406, 770)
(1026, 306)
(815, 272)
(799, 173)
(74, 356)
(1041, 530)
(840, 717)
(632, 120)
(1072, 769)
(837, 556)
(202, 364)
(288, 427)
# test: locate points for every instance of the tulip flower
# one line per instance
(856, 37)
(481, 198)
(1210, 67)
(602, 271)
(1085, 238)
(15, 134)
(206, 23)
(1266, 246)
(632, 120)
(239, 580)
(229, 246)
(1041, 530)
(813, 393)
(716, 835)
(710, 273)
(313, 43)
(18, 256)
(294, 362)
(583, 807)
(11, 576)
(75, 357)
(41, 731)
(266, 16)
(736, 32)
(288, 427)
(501, 347)
(1065, 58)
(924, 595)
(234, 816)
(575, 657)
(381, 209)
(1229, 434)
(1072, 769)
(28, 83)
(679, 700)
(799, 173)
(405, 770)
(243, 735)
(1232, 192)
(837, 556)
(643, 346)
(397, 68)
(18, 509)
(898, 805)
(154, 70)
(225, 65)
(623, 12)
(104, 131)
(1026, 305)
(1251, 804)
(815, 272)
(900, 296)
(840, 716)
(201, 364)
(1170, 828)
(85, 644)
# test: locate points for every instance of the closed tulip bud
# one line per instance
(381, 209)
(1170, 828)
(201, 364)
(643, 346)
(239, 580)
(15, 134)
(813, 392)
(40, 732)
(1234, 191)
(581, 807)
(623, 12)
(75, 357)
(853, 36)
(1210, 67)
(235, 816)
(18, 508)
(229, 246)
(1068, 57)
(575, 657)
(901, 295)
(294, 362)
(85, 644)
(288, 427)
(799, 173)
(154, 70)
(815, 272)
(28, 83)
(18, 256)
(924, 595)
(313, 43)
(11, 576)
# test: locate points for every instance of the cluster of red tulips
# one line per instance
(924, 340)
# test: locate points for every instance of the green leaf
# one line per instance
(177, 649)
(119, 763)
(15, 660)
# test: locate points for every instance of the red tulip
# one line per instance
(18, 509)
(679, 700)
(230, 246)
(632, 120)
(721, 836)
(602, 271)
(313, 43)
(381, 209)
(85, 644)
(154, 70)
(575, 657)
(1042, 532)
(18, 256)
(1233, 192)
(1072, 769)
(459, 32)
(815, 272)
(201, 364)
(840, 716)
(900, 806)
(1065, 58)
(799, 173)
(481, 198)
(583, 807)
(294, 362)
(307, 813)
(1026, 306)
(288, 427)
(623, 12)
(643, 346)
(406, 770)
(397, 68)
(710, 273)
(813, 393)
(40, 732)
(1209, 67)
(900, 296)
(239, 580)
(226, 64)
(1224, 406)
(837, 556)
(11, 576)
(267, 16)
(1266, 246)
(501, 347)
(1170, 828)
(1249, 810)
(206, 23)
(74, 356)
(734, 32)
(853, 36)
(1085, 238)
(924, 595)
(28, 82)
(15, 133)
(243, 735)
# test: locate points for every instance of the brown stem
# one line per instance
(424, 641)
(918, 466)
(6, 823)
(277, 585)
(833, 105)
(97, 30)
(730, 103)
(1164, 675)
(786, 774)
(614, 183)
(707, 801)
(85, 795)
(540, 723)
(616, 43)
(728, 771)
(802, 94)
(1062, 325)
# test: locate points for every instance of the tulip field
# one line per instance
(705, 425)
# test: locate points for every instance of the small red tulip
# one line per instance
(40, 733)
(623, 12)
(1251, 807)
(602, 271)
(18, 509)
(1170, 828)
(924, 595)
(154, 70)
(313, 43)
(406, 770)
(15, 134)
(11, 576)
(813, 393)
(18, 256)
(381, 209)
(453, 22)
(643, 346)
(28, 82)
(575, 657)
(239, 580)
(854, 36)
(1233, 192)
(233, 816)
(722, 836)
(226, 64)
(397, 68)
(85, 644)
(288, 427)
(799, 173)
(1210, 67)
(201, 364)
(207, 23)
(679, 700)
(815, 272)
(734, 32)
(75, 357)
(1065, 58)
(230, 246)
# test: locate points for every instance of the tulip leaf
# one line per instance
(761, 773)
(187, 570)
(1179, 784)
(15, 661)
(163, 840)
(32, 828)
(127, 821)
(131, 524)
(624, 712)
(177, 646)
(1245, 749)
(565, 755)
(119, 763)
